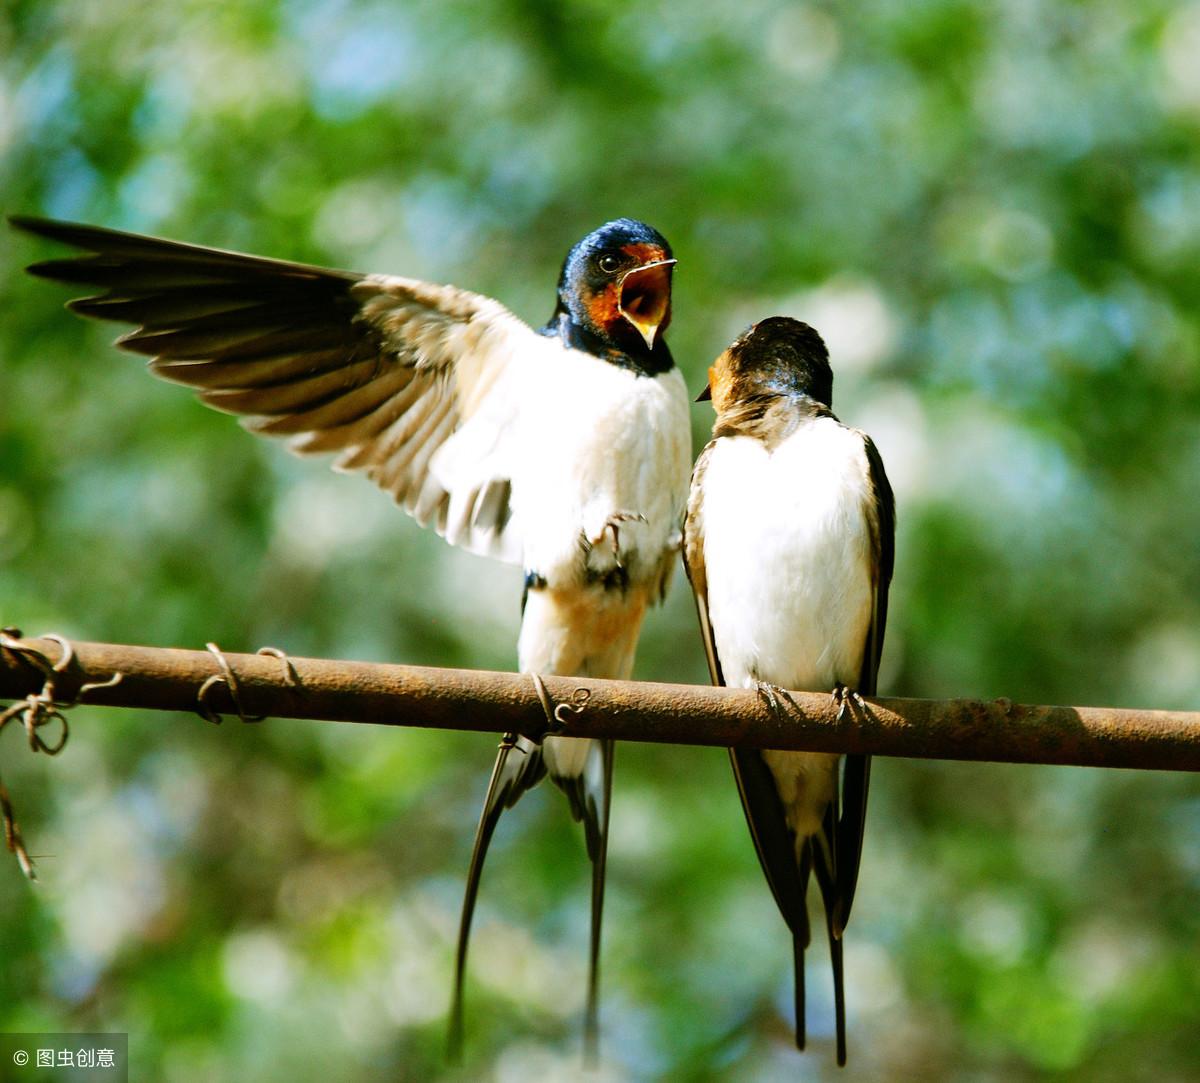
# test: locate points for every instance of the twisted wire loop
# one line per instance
(36, 710)
(228, 678)
(291, 678)
(557, 715)
(574, 706)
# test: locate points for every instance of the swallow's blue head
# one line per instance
(777, 356)
(615, 286)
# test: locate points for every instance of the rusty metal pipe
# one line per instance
(961, 729)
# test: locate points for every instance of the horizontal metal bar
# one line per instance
(394, 695)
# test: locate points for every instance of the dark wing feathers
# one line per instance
(856, 769)
(773, 839)
(383, 371)
(394, 393)
(162, 310)
(256, 372)
(884, 543)
(108, 273)
(291, 396)
(693, 560)
(322, 411)
(113, 244)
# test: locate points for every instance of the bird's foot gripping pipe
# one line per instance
(774, 697)
(841, 695)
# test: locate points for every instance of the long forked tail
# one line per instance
(785, 864)
(518, 767)
(583, 769)
(799, 943)
(830, 897)
(591, 1026)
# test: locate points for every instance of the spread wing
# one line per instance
(416, 385)
(856, 771)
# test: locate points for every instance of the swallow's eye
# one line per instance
(608, 263)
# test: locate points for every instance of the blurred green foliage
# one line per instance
(992, 211)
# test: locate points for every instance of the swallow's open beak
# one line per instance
(645, 298)
(705, 395)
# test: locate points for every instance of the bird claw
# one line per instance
(613, 524)
(771, 694)
(841, 695)
(624, 517)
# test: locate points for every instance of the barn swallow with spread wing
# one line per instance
(788, 543)
(565, 449)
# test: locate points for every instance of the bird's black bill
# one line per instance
(705, 395)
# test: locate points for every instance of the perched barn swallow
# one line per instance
(788, 543)
(566, 449)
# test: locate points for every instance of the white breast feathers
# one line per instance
(787, 553)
